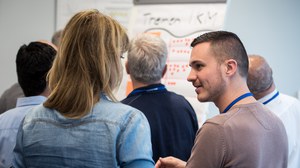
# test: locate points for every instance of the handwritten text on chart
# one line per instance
(184, 42)
(151, 19)
(179, 49)
(177, 70)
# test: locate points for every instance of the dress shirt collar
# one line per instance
(31, 100)
(268, 96)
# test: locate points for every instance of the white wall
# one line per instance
(20, 23)
(270, 28)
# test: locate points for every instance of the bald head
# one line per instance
(259, 75)
(49, 43)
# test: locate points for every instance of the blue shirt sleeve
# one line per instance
(18, 150)
(134, 144)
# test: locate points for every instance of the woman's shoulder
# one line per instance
(37, 111)
(116, 111)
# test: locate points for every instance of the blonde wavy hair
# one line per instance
(88, 62)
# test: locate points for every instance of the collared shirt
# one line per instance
(287, 108)
(9, 125)
(111, 135)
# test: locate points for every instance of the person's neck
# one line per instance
(233, 92)
(137, 84)
(262, 94)
(46, 92)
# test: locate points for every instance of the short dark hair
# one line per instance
(33, 63)
(226, 45)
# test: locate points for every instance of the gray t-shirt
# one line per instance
(247, 136)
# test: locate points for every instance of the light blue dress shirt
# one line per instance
(9, 125)
(112, 135)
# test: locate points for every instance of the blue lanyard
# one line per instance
(236, 100)
(147, 90)
(273, 97)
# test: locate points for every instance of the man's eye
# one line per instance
(198, 66)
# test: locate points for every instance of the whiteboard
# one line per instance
(118, 9)
(176, 24)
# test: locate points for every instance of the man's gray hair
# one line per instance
(147, 57)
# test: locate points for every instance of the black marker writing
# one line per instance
(152, 20)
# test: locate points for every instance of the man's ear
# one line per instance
(164, 71)
(230, 67)
(126, 67)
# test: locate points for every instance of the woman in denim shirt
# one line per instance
(81, 124)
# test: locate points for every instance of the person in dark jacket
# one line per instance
(172, 119)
